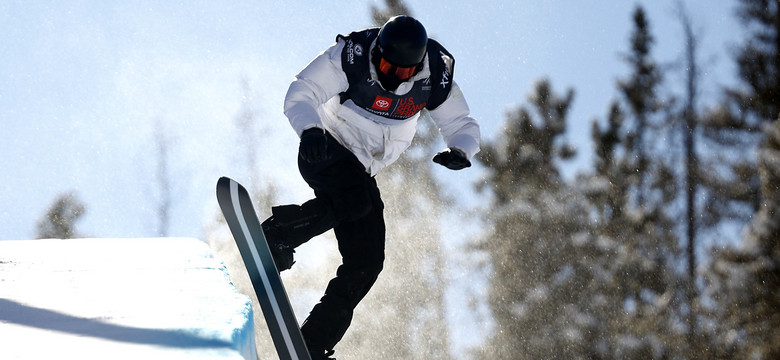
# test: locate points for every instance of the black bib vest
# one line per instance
(366, 93)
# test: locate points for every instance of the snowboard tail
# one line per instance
(242, 220)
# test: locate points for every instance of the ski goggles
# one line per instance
(401, 72)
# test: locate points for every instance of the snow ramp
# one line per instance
(153, 298)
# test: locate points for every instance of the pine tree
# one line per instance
(163, 144)
(631, 193)
(744, 281)
(392, 8)
(640, 95)
(536, 221)
(60, 220)
(633, 248)
(686, 121)
(759, 63)
(734, 128)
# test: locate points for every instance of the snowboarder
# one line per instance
(355, 108)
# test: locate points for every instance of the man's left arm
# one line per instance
(460, 131)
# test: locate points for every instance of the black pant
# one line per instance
(343, 187)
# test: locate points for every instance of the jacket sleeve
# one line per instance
(457, 127)
(322, 79)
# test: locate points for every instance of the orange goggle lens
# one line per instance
(400, 72)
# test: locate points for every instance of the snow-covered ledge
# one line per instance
(163, 298)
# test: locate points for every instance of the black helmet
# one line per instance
(403, 41)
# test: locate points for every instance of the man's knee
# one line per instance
(359, 282)
(373, 269)
(355, 205)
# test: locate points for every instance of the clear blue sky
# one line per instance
(81, 84)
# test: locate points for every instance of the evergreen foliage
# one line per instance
(534, 220)
(60, 220)
(744, 282)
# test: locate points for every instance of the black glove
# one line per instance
(314, 145)
(453, 159)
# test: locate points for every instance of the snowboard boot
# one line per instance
(292, 225)
(282, 254)
(317, 352)
(321, 355)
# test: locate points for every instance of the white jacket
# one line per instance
(313, 101)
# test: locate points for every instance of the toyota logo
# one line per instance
(383, 104)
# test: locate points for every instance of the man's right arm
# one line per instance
(319, 81)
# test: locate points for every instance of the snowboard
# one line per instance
(239, 212)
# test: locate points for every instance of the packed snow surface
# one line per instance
(163, 298)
